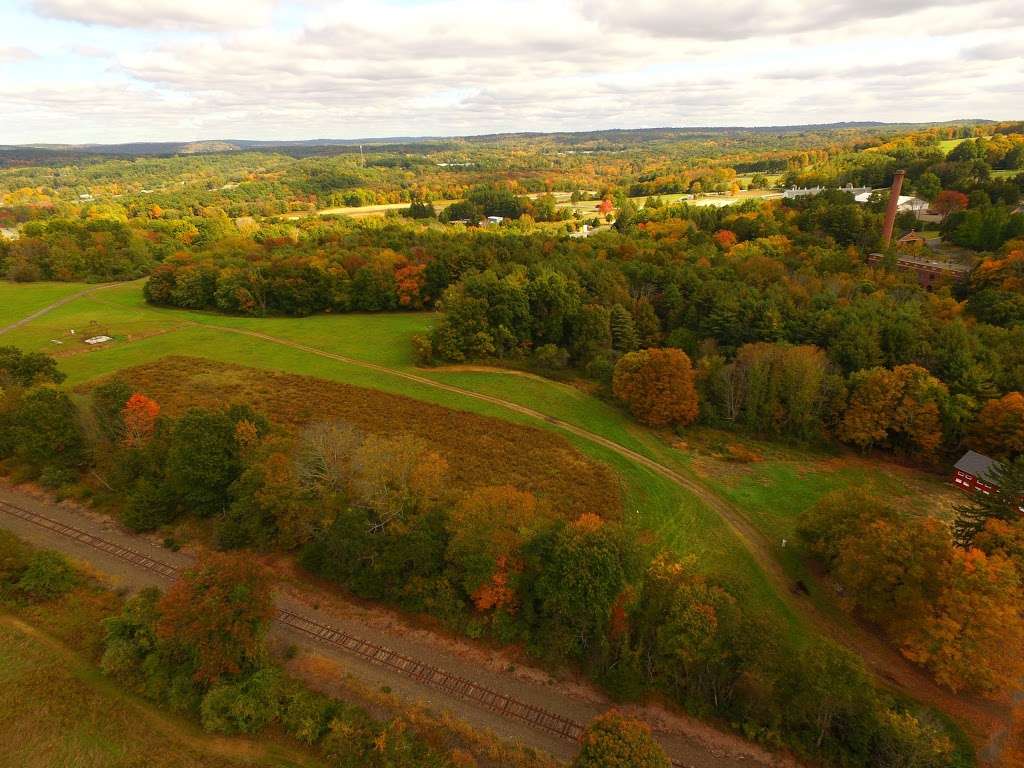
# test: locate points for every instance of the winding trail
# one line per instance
(987, 721)
(55, 305)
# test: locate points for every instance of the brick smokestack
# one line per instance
(890, 209)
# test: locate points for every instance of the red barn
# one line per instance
(974, 473)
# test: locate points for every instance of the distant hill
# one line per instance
(22, 154)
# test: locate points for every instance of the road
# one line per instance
(523, 705)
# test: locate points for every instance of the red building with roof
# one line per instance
(974, 473)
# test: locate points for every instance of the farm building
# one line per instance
(795, 192)
(913, 239)
(906, 202)
(974, 473)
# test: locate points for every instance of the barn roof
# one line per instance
(976, 464)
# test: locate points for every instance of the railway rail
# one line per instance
(426, 674)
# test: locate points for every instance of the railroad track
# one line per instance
(426, 674)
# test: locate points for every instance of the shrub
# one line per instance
(247, 706)
(613, 740)
(306, 715)
(47, 576)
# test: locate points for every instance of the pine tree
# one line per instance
(624, 337)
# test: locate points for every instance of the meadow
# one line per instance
(771, 493)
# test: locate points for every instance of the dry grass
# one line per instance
(479, 450)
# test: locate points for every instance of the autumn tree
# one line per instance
(949, 201)
(725, 239)
(488, 529)
(613, 740)
(974, 638)
(139, 419)
(902, 408)
(575, 573)
(890, 569)
(217, 614)
(998, 430)
(396, 476)
(657, 385)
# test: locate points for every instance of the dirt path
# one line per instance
(985, 720)
(50, 307)
(94, 541)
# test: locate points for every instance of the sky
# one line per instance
(108, 71)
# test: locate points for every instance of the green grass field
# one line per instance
(58, 711)
(18, 300)
(771, 493)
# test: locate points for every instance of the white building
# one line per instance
(795, 192)
(905, 203)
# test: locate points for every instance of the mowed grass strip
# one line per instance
(59, 712)
(18, 300)
(480, 450)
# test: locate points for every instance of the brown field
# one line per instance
(480, 450)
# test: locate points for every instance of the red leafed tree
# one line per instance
(218, 611)
(949, 201)
(409, 280)
(657, 386)
(139, 417)
(605, 206)
(725, 238)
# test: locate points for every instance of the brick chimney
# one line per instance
(890, 208)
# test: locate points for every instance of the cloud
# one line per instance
(167, 14)
(307, 68)
(16, 53)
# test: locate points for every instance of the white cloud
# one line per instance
(16, 53)
(346, 69)
(159, 13)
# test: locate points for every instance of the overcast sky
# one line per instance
(75, 71)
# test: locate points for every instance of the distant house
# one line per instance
(912, 239)
(905, 202)
(795, 192)
(974, 473)
(494, 220)
(85, 197)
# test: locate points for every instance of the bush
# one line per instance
(247, 706)
(47, 576)
(307, 715)
(613, 740)
(422, 350)
(550, 357)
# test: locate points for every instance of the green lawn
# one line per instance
(17, 300)
(947, 144)
(771, 493)
(58, 711)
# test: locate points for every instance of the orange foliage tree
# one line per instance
(974, 638)
(488, 527)
(657, 386)
(999, 428)
(725, 239)
(949, 201)
(218, 612)
(901, 407)
(139, 418)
